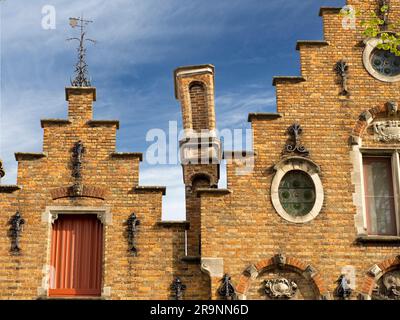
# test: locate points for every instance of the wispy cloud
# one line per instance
(140, 42)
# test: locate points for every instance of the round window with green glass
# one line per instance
(297, 193)
(385, 62)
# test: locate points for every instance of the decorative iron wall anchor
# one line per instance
(131, 231)
(280, 288)
(384, 14)
(295, 131)
(227, 290)
(343, 290)
(177, 288)
(77, 154)
(16, 227)
(342, 70)
(2, 172)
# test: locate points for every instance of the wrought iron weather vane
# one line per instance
(81, 68)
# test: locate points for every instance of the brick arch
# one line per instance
(375, 273)
(365, 119)
(306, 270)
(87, 191)
(197, 83)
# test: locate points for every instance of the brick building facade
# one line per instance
(316, 217)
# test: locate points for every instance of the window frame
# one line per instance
(297, 163)
(393, 154)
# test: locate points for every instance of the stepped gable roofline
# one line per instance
(9, 188)
(46, 122)
(29, 155)
(71, 90)
(291, 79)
(263, 116)
(97, 123)
(317, 43)
(174, 223)
(151, 189)
(333, 10)
(127, 155)
(192, 69)
(234, 154)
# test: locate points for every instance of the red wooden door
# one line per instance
(76, 256)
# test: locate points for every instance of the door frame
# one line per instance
(48, 217)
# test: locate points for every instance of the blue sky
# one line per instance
(140, 43)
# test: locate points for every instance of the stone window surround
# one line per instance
(310, 168)
(357, 177)
(50, 214)
(370, 45)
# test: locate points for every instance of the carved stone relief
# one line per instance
(387, 131)
(388, 287)
(280, 288)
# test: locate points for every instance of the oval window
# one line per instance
(297, 193)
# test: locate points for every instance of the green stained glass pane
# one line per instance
(297, 193)
(385, 62)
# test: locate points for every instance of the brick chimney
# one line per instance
(200, 148)
(80, 103)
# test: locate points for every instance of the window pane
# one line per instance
(379, 199)
(297, 193)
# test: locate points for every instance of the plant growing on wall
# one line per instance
(377, 26)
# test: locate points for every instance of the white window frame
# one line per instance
(395, 162)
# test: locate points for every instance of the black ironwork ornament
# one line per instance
(77, 154)
(343, 290)
(2, 172)
(82, 78)
(131, 230)
(16, 227)
(227, 290)
(295, 131)
(342, 70)
(178, 289)
(383, 13)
